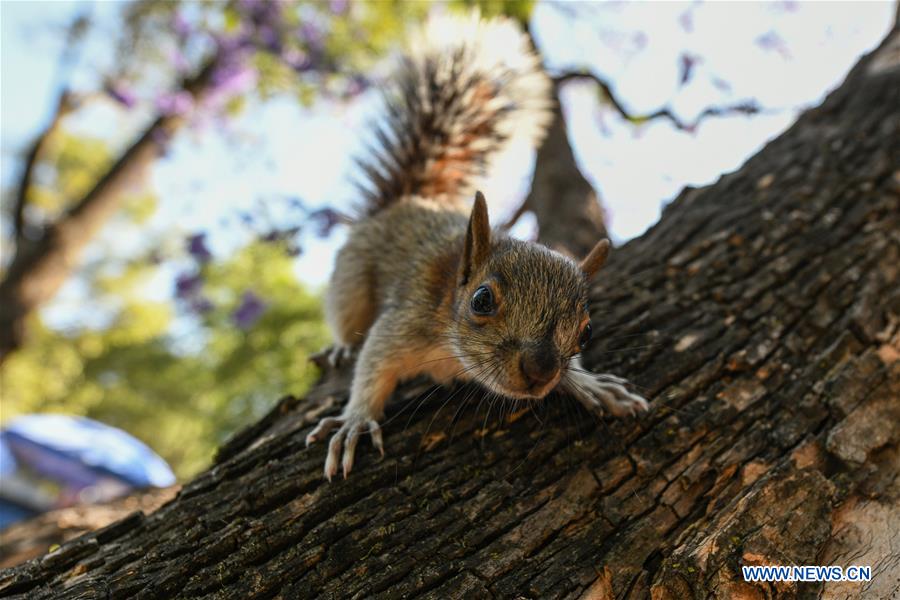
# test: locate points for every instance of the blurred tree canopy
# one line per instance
(129, 373)
(186, 368)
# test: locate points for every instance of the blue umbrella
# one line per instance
(75, 450)
(7, 460)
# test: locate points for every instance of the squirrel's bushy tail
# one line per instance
(468, 88)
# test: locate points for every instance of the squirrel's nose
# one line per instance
(538, 368)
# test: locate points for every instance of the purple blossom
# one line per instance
(120, 93)
(312, 35)
(248, 311)
(339, 7)
(187, 285)
(196, 247)
(233, 77)
(721, 84)
(686, 20)
(324, 220)
(789, 5)
(179, 61)
(181, 25)
(232, 44)
(270, 39)
(772, 41)
(687, 62)
(640, 40)
(262, 14)
(281, 235)
(355, 85)
(296, 59)
(177, 103)
(201, 305)
(249, 5)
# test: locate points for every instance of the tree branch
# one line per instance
(63, 108)
(514, 218)
(65, 105)
(38, 270)
(748, 107)
(564, 203)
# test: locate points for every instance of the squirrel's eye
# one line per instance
(586, 334)
(483, 301)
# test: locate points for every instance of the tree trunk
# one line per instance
(567, 209)
(760, 316)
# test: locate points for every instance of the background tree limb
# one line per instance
(63, 108)
(39, 268)
(748, 107)
(568, 209)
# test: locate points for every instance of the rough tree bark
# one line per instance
(31, 538)
(761, 316)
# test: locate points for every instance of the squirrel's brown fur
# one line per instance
(419, 288)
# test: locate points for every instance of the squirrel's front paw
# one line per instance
(607, 392)
(349, 429)
(333, 357)
(341, 355)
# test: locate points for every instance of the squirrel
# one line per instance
(423, 285)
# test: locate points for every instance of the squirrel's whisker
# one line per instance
(456, 376)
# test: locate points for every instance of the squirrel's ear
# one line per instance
(595, 258)
(478, 239)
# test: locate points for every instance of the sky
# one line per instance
(783, 55)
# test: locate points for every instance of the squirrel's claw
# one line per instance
(340, 355)
(377, 439)
(333, 357)
(334, 449)
(322, 429)
(603, 392)
(345, 438)
(349, 451)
